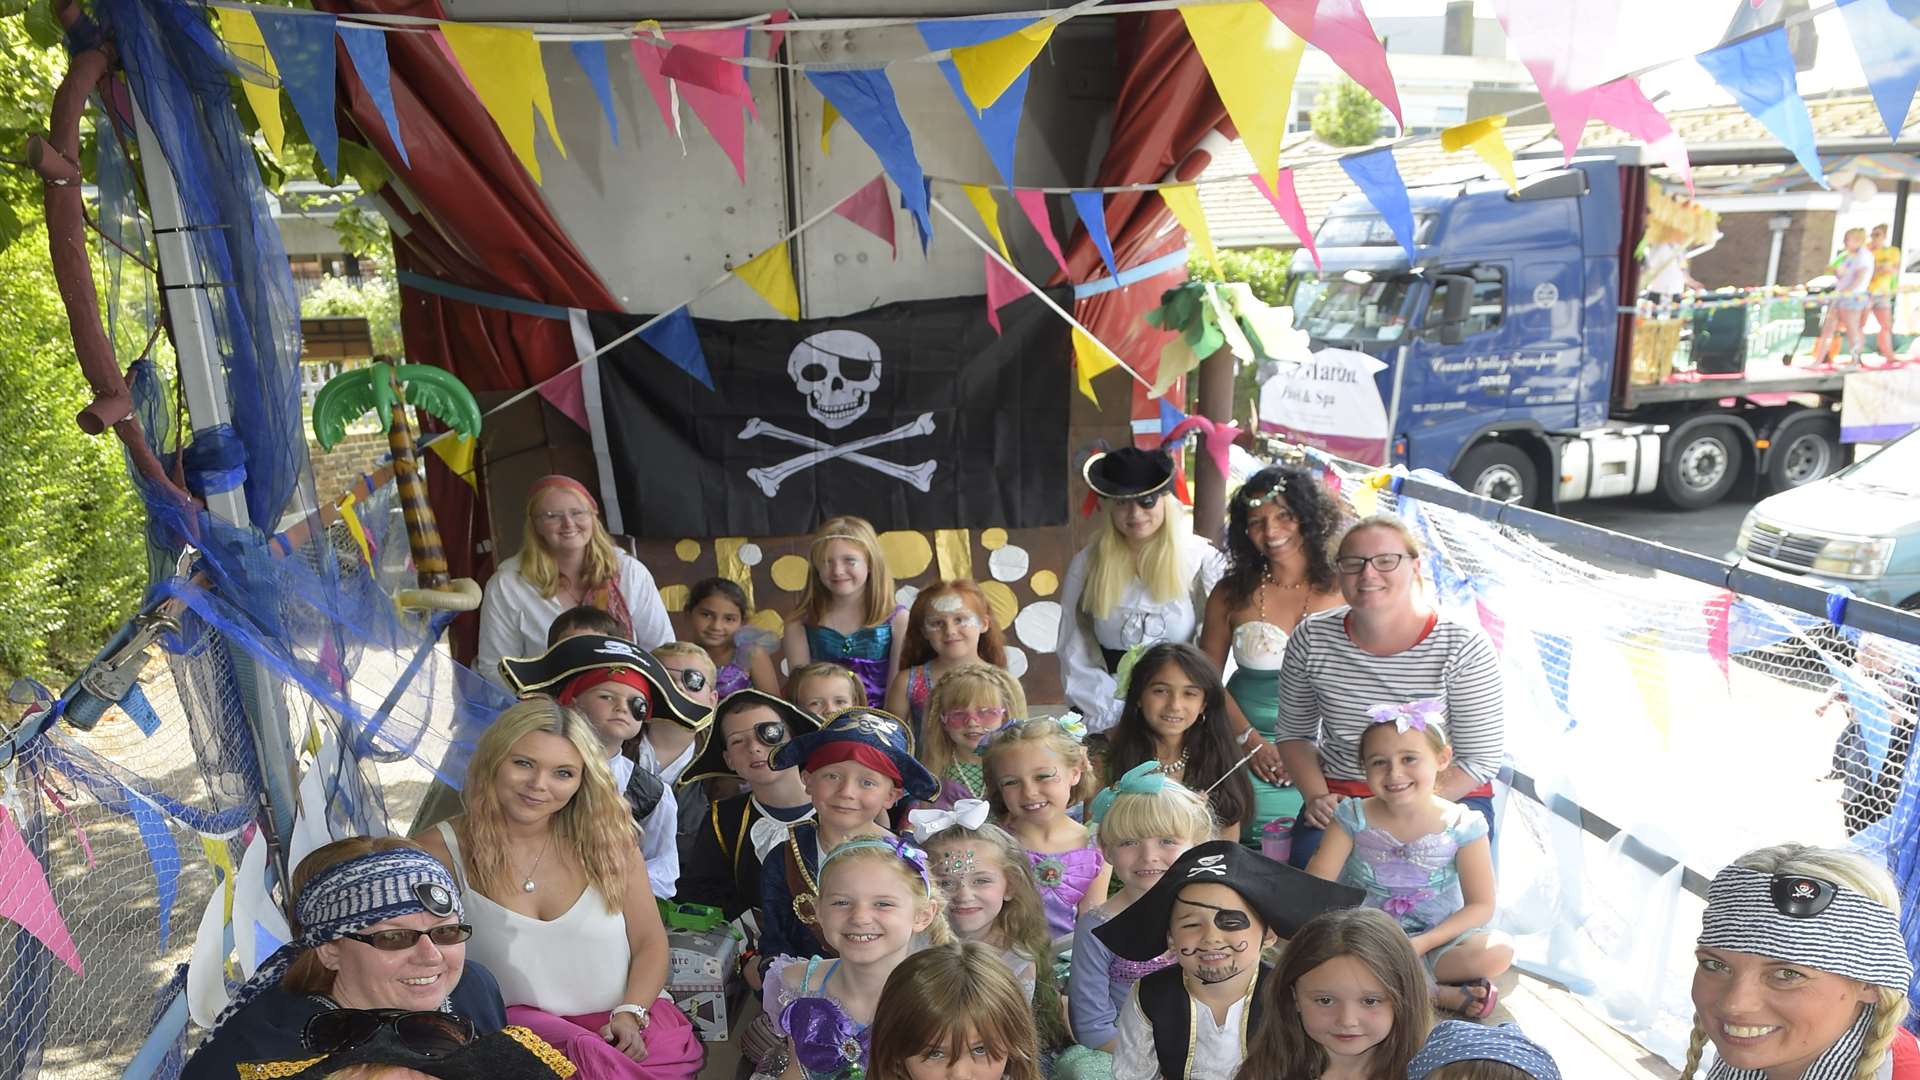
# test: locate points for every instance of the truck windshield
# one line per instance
(1352, 306)
(1895, 468)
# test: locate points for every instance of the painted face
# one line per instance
(1769, 1015)
(953, 628)
(842, 567)
(1272, 527)
(1034, 783)
(748, 757)
(1171, 702)
(714, 621)
(538, 777)
(966, 726)
(1346, 1009)
(1207, 950)
(847, 795)
(1366, 587)
(709, 692)
(563, 520)
(1134, 521)
(1139, 864)
(978, 1061)
(868, 912)
(1401, 765)
(824, 695)
(970, 876)
(416, 979)
(610, 707)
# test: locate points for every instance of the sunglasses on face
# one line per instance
(988, 715)
(400, 940)
(1144, 502)
(428, 1034)
(692, 680)
(1802, 897)
(1386, 562)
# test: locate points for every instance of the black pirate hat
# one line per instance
(875, 728)
(1128, 472)
(551, 671)
(513, 1053)
(1283, 897)
(709, 761)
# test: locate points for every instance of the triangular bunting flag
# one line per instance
(25, 898)
(1170, 417)
(1090, 358)
(1092, 207)
(1003, 288)
(457, 451)
(1622, 104)
(1494, 625)
(302, 48)
(675, 338)
(998, 124)
(989, 69)
(1252, 57)
(1556, 665)
(1378, 177)
(163, 853)
(1287, 204)
(592, 58)
(870, 209)
(258, 75)
(505, 69)
(367, 48)
(719, 43)
(684, 63)
(1184, 201)
(1341, 30)
(647, 56)
(1033, 203)
(1758, 72)
(1565, 46)
(1889, 50)
(865, 99)
(989, 212)
(1487, 138)
(723, 118)
(770, 274)
(566, 393)
(1719, 612)
(828, 114)
(775, 37)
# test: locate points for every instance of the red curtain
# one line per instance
(480, 222)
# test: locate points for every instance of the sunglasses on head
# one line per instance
(399, 940)
(428, 1034)
(1799, 897)
(692, 680)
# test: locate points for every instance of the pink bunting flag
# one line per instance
(1287, 203)
(648, 56)
(717, 44)
(872, 210)
(686, 64)
(1003, 288)
(774, 38)
(26, 900)
(1563, 45)
(1494, 625)
(1719, 612)
(722, 116)
(1034, 205)
(1622, 104)
(1342, 30)
(1217, 439)
(565, 392)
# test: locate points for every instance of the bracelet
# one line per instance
(639, 1011)
(1249, 735)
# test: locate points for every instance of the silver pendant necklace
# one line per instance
(526, 884)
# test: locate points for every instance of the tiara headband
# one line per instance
(1808, 921)
(907, 853)
(848, 537)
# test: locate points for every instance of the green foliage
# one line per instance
(1347, 115)
(28, 75)
(376, 299)
(1263, 269)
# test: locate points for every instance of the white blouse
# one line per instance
(1137, 619)
(514, 616)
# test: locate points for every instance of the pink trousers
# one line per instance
(674, 1052)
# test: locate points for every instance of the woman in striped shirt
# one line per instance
(1387, 649)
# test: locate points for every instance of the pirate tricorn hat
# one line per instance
(1128, 472)
(875, 728)
(710, 761)
(1284, 898)
(551, 671)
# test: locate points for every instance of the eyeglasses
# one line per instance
(692, 680)
(428, 1034)
(399, 940)
(1802, 897)
(1144, 502)
(1386, 562)
(555, 517)
(960, 718)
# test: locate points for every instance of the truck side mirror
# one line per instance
(1456, 306)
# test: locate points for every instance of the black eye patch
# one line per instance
(772, 733)
(1231, 920)
(434, 897)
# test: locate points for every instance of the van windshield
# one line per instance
(1353, 306)
(1894, 468)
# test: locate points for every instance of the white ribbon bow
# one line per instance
(966, 813)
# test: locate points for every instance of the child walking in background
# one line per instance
(949, 626)
(968, 704)
(1422, 859)
(847, 613)
(1035, 772)
(718, 618)
(953, 1011)
(1174, 712)
(824, 688)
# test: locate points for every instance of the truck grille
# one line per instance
(1775, 546)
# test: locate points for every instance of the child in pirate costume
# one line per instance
(621, 688)
(1217, 907)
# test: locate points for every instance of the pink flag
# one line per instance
(1718, 611)
(872, 210)
(719, 43)
(685, 63)
(1341, 30)
(1563, 45)
(1034, 205)
(564, 392)
(647, 56)
(1622, 104)
(721, 115)
(1003, 288)
(1288, 204)
(774, 38)
(1494, 625)
(25, 898)
(1217, 439)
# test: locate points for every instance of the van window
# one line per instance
(1489, 299)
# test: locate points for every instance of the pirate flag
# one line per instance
(916, 415)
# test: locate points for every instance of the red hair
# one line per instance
(918, 650)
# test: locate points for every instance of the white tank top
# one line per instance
(574, 965)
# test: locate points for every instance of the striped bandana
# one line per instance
(1836, 1064)
(1806, 921)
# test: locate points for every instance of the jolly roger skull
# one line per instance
(837, 370)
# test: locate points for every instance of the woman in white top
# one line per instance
(566, 558)
(1144, 578)
(549, 867)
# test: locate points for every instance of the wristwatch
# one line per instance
(639, 1011)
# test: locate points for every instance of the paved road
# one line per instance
(1707, 532)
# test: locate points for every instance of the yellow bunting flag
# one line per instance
(457, 451)
(982, 201)
(987, 69)
(351, 519)
(242, 35)
(828, 115)
(1184, 201)
(222, 859)
(505, 69)
(1644, 651)
(1252, 57)
(1485, 137)
(771, 275)
(1090, 358)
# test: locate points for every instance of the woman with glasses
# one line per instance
(1143, 579)
(549, 869)
(377, 924)
(566, 558)
(1388, 649)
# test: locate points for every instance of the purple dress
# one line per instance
(867, 652)
(1064, 878)
(730, 678)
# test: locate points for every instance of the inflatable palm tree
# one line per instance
(388, 388)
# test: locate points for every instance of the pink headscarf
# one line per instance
(568, 483)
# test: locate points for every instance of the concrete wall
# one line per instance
(1740, 258)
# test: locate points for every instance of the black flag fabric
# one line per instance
(915, 415)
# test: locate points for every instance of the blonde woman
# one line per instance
(566, 558)
(1144, 579)
(549, 867)
(1803, 971)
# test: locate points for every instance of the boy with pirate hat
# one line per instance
(621, 688)
(1217, 907)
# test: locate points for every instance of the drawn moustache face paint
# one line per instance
(1212, 933)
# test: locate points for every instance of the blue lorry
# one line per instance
(1509, 348)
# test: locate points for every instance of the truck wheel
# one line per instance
(1701, 468)
(1803, 453)
(1499, 472)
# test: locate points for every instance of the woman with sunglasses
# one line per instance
(1143, 579)
(1802, 971)
(1387, 652)
(548, 865)
(377, 924)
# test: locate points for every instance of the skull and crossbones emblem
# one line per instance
(837, 371)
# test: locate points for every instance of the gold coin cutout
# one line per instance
(790, 572)
(688, 550)
(993, 538)
(674, 597)
(907, 553)
(1002, 602)
(1045, 583)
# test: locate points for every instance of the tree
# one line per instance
(376, 299)
(1347, 115)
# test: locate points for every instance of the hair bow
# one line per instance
(1146, 778)
(930, 822)
(1073, 724)
(1411, 715)
(1123, 671)
(986, 740)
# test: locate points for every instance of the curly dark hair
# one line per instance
(1317, 512)
(1209, 744)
